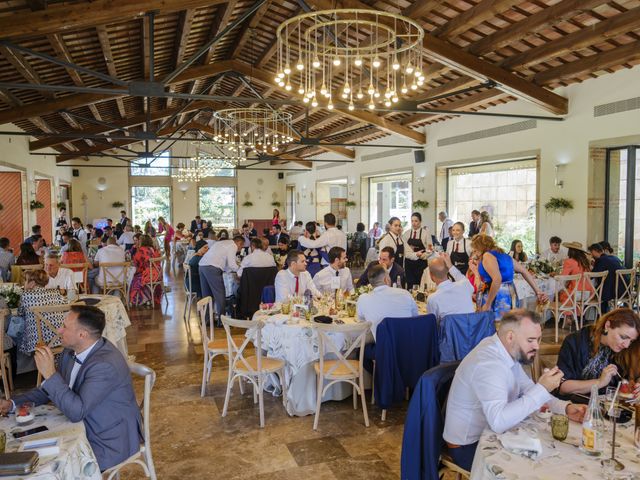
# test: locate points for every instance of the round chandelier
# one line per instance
(361, 56)
(201, 166)
(261, 130)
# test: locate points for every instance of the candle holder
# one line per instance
(613, 463)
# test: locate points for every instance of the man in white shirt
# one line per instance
(337, 275)
(296, 231)
(111, 253)
(490, 388)
(61, 278)
(384, 301)
(446, 224)
(127, 239)
(294, 280)
(393, 239)
(258, 258)
(556, 253)
(221, 258)
(449, 297)
(332, 237)
(79, 233)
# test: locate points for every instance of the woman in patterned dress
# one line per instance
(140, 294)
(314, 255)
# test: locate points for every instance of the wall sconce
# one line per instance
(351, 188)
(183, 187)
(102, 186)
(304, 191)
(420, 182)
(558, 183)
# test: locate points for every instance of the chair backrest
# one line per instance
(327, 346)
(594, 297)
(155, 265)
(204, 308)
(114, 274)
(188, 284)
(145, 405)
(49, 319)
(236, 352)
(4, 316)
(80, 272)
(543, 349)
(268, 294)
(566, 295)
(625, 286)
(252, 283)
(458, 334)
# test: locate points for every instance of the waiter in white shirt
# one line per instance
(332, 237)
(294, 280)
(459, 248)
(58, 277)
(79, 233)
(394, 240)
(418, 239)
(446, 224)
(220, 258)
(337, 275)
(258, 258)
(490, 388)
(449, 297)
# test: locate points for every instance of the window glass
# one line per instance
(149, 203)
(218, 205)
(390, 196)
(152, 167)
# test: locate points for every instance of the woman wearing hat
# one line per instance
(576, 264)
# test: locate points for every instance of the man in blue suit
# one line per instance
(606, 263)
(92, 384)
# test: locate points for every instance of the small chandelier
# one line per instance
(261, 130)
(361, 56)
(201, 166)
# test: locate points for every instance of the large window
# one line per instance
(218, 204)
(390, 196)
(149, 203)
(623, 201)
(158, 165)
(507, 190)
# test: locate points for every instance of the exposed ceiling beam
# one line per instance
(146, 47)
(70, 17)
(105, 45)
(248, 28)
(289, 158)
(182, 39)
(481, 12)
(420, 8)
(23, 67)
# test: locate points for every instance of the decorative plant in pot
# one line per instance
(276, 204)
(248, 203)
(420, 204)
(558, 205)
(61, 205)
(36, 204)
(117, 204)
(350, 204)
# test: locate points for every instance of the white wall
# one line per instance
(564, 142)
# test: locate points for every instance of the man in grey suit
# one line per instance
(93, 384)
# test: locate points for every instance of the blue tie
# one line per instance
(76, 359)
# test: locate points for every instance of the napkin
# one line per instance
(522, 444)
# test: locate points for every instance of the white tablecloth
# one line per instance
(117, 320)
(559, 460)
(76, 459)
(298, 346)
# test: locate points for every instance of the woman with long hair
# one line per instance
(576, 264)
(314, 255)
(486, 226)
(276, 217)
(166, 228)
(140, 294)
(28, 255)
(596, 354)
(496, 269)
(74, 255)
(517, 251)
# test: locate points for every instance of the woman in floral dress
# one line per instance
(140, 293)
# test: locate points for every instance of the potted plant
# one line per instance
(420, 204)
(36, 204)
(61, 205)
(558, 205)
(350, 204)
(117, 204)
(247, 204)
(276, 204)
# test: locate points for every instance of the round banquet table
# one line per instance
(547, 285)
(297, 345)
(559, 460)
(116, 320)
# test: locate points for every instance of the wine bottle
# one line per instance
(593, 426)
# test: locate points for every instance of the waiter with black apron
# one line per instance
(459, 248)
(418, 239)
(394, 239)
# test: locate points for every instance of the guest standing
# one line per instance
(446, 224)
(166, 228)
(276, 217)
(474, 225)
(332, 237)
(486, 226)
(6, 259)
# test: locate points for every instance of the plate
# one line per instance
(90, 301)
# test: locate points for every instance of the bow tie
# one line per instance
(76, 359)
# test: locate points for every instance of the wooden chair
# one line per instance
(448, 465)
(21, 269)
(143, 457)
(343, 369)
(80, 275)
(592, 299)
(190, 295)
(625, 288)
(543, 350)
(46, 317)
(568, 306)
(5, 359)
(156, 263)
(211, 347)
(116, 280)
(254, 368)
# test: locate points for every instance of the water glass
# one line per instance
(559, 427)
(351, 308)
(286, 308)
(3, 441)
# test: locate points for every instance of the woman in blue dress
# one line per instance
(314, 255)
(496, 269)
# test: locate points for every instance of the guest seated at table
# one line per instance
(118, 230)
(296, 231)
(126, 238)
(92, 384)
(384, 301)
(61, 278)
(359, 242)
(136, 244)
(274, 234)
(555, 253)
(28, 255)
(336, 275)
(606, 263)
(258, 258)
(36, 233)
(576, 264)
(73, 254)
(283, 245)
(39, 245)
(139, 294)
(197, 224)
(67, 236)
(194, 266)
(111, 253)
(314, 254)
(449, 297)
(35, 294)
(108, 233)
(517, 251)
(387, 260)
(606, 246)
(223, 234)
(6, 259)
(294, 280)
(491, 390)
(592, 355)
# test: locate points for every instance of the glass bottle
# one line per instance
(593, 426)
(398, 282)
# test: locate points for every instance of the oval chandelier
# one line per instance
(364, 56)
(201, 166)
(260, 130)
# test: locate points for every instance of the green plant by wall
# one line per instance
(559, 205)
(276, 204)
(350, 204)
(420, 204)
(117, 204)
(35, 204)
(247, 204)
(61, 205)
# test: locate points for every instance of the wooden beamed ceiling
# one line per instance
(526, 47)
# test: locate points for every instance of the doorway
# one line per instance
(290, 205)
(331, 196)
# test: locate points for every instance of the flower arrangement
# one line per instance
(11, 294)
(247, 204)
(420, 204)
(36, 204)
(117, 204)
(360, 290)
(276, 204)
(560, 205)
(541, 266)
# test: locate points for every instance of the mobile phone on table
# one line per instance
(31, 431)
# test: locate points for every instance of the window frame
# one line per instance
(235, 203)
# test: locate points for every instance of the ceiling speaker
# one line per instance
(419, 156)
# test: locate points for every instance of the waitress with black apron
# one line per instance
(394, 240)
(418, 239)
(459, 248)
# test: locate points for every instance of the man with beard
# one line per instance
(491, 389)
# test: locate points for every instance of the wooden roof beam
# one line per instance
(105, 44)
(483, 11)
(248, 28)
(23, 67)
(219, 23)
(290, 158)
(182, 39)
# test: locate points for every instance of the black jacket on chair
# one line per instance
(252, 281)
